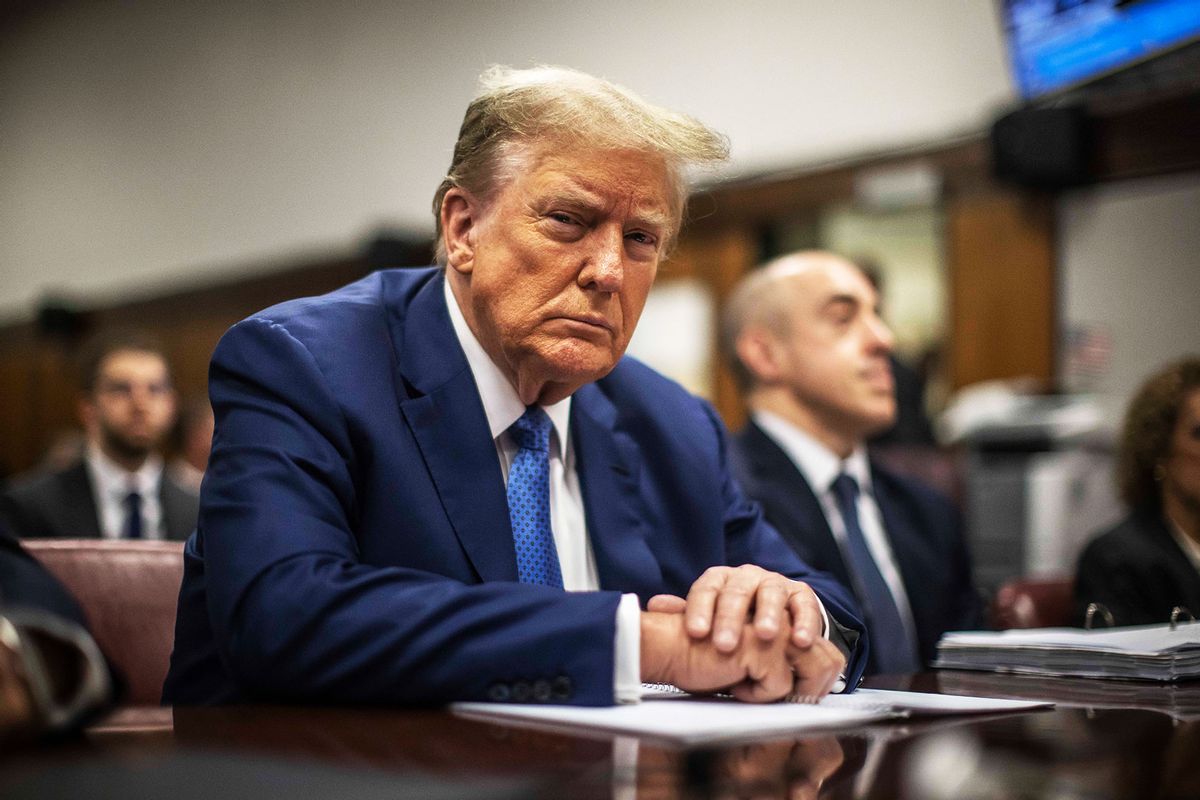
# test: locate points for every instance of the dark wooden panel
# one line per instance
(1000, 258)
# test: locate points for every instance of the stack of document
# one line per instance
(677, 717)
(1180, 701)
(1143, 652)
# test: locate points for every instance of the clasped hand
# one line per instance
(744, 630)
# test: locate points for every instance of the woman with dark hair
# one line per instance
(1150, 562)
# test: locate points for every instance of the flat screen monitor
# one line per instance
(1059, 44)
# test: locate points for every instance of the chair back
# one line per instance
(1033, 603)
(128, 590)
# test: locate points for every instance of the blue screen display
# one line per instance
(1054, 44)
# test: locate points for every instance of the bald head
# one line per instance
(805, 336)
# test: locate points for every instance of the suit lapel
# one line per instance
(79, 512)
(609, 467)
(813, 539)
(440, 402)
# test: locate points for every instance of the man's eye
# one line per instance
(565, 219)
(642, 238)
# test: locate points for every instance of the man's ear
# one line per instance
(761, 354)
(461, 214)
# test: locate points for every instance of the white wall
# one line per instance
(148, 144)
(1130, 271)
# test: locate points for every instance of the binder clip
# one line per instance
(1181, 611)
(1098, 608)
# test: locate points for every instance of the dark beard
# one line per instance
(121, 448)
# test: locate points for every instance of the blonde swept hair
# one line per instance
(516, 108)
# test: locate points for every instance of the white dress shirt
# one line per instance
(111, 484)
(503, 407)
(820, 466)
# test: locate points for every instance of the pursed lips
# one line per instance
(591, 320)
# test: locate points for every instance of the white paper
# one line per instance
(685, 719)
(925, 704)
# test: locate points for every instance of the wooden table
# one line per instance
(1068, 752)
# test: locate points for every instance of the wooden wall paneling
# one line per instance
(1000, 264)
(718, 257)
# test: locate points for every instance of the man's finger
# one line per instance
(702, 600)
(771, 607)
(733, 606)
(667, 604)
(808, 624)
(816, 669)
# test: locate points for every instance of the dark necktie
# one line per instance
(133, 516)
(891, 650)
(529, 500)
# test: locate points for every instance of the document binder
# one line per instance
(1163, 653)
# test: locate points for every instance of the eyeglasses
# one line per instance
(128, 389)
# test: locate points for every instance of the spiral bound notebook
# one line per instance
(1144, 652)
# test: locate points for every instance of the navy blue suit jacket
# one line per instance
(922, 526)
(354, 542)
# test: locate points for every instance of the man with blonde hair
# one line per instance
(447, 484)
(806, 341)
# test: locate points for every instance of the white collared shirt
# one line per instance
(111, 484)
(820, 466)
(503, 407)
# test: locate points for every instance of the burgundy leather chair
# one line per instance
(128, 590)
(1033, 603)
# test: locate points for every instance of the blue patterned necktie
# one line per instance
(891, 650)
(529, 500)
(133, 516)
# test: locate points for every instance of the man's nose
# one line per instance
(604, 270)
(880, 334)
(141, 395)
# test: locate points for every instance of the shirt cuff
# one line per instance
(627, 661)
(839, 685)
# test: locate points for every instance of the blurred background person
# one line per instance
(193, 441)
(66, 448)
(119, 489)
(1150, 561)
(805, 339)
(911, 424)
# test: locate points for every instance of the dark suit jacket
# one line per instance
(62, 505)
(354, 542)
(1138, 571)
(25, 583)
(922, 526)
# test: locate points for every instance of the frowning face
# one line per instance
(552, 274)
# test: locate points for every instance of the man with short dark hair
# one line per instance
(119, 490)
(447, 484)
(805, 338)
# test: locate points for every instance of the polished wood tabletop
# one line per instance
(1104, 740)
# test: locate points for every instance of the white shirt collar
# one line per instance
(817, 463)
(115, 481)
(501, 404)
(1189, 546)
